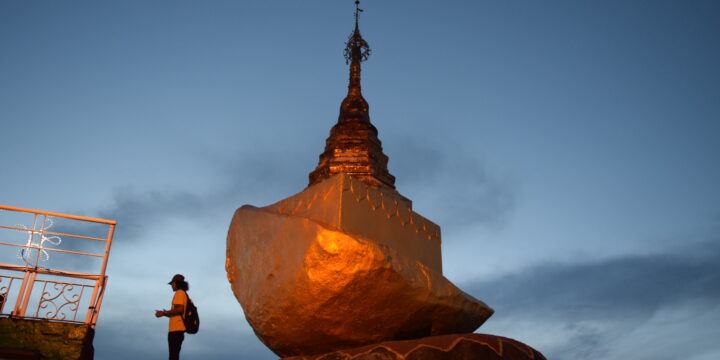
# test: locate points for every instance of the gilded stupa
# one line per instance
(346, 262)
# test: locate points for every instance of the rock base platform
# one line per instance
(443, 347)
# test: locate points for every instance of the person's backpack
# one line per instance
(190, 317)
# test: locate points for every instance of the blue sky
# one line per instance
(568, 150)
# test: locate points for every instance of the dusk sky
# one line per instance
(568, 150)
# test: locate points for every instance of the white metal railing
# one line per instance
(52, 265)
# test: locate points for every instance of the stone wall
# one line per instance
(46, 340)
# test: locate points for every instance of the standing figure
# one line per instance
(176, 330)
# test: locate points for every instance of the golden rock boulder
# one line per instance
(343, 264)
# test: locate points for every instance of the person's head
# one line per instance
(178, 283)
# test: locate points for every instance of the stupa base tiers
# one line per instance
(443, 347)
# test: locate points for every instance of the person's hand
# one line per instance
(159, 313)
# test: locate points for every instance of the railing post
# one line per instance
(93, 302)
(21, 296)
(96, 311)
(111, 232)
(27, 290)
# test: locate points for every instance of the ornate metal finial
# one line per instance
(356, 48)
(357, 11)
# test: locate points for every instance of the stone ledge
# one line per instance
(444, 347)
(46, 340)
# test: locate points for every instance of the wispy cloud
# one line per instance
(593, 307)
(450, 189)
(259, 178)
(135, 211)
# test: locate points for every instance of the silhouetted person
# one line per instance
(176, 330)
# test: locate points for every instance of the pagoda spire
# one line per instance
(353, 147)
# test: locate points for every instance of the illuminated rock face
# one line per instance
(343, 264)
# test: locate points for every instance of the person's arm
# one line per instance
(177, 309)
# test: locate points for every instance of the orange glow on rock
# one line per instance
(335, 267)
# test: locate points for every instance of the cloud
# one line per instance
(636, 284)
(453, 187)
(135, 211)
(260, 178)
(585, 310)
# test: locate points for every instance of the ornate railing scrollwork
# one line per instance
(61, 302)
